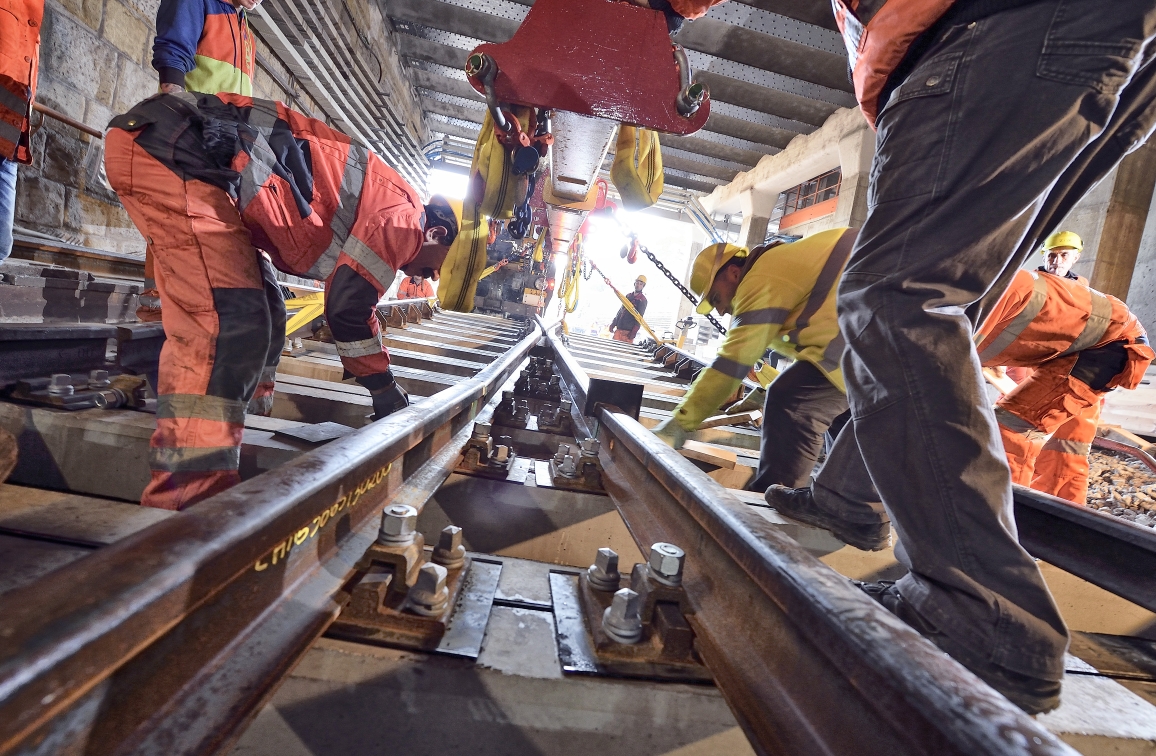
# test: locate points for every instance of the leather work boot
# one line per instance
(1033, 695)
(389, 400)
(799, 504)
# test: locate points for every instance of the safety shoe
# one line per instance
(1033, 695)
(389, 400)
(799, 504)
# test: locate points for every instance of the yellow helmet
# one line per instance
(1064, 239)
(706, 267)
(641, 278)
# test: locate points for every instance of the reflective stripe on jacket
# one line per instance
(878, 35)
(19, 64)
(785, 301)
(205, 46)
(1042, 317)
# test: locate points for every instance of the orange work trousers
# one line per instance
(1046, 402)
(216, 313)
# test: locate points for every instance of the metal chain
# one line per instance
(678, 284)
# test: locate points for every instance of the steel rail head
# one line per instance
(1107, 551)
(807, 661)
(227, 560)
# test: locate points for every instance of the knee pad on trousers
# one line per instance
(349, 304)
(242, 342)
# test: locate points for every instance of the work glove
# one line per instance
(754, 400)
(389, 400)
(671, 433)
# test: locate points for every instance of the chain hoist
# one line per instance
(678, 284)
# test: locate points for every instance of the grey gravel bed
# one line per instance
(1122, 486)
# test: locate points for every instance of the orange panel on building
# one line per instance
(818, 210)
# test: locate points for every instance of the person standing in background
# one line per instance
(625, 325)
(415, 287)
(19, 66)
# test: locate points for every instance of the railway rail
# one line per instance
(170, 640)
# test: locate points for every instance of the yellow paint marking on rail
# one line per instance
(300, 536)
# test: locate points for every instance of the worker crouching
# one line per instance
(781, 297)
(208, 179)
(1082, 345)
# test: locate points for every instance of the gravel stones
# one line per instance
(1123, 486)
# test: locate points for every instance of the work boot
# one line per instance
(1033, 695)
(799, 504)
(389, 400)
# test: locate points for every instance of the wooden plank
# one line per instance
(738, 418)
(712, 455)
(71, 517)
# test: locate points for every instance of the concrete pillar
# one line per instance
(856, 151)
(1111, 221)
(756, 208)
(1124, 222)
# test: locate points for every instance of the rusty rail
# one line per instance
(807, 662)
(169, 641)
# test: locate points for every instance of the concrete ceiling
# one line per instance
(775, 69)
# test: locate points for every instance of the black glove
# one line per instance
(389, 400)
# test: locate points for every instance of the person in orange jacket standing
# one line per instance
(19, 66)
(415, 287)
(1081, 344)
(208, 179)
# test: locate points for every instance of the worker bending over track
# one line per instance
(206, 178)
(1082, 345)
(781, 297)
(415, 287)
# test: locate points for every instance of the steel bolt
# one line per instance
(563, 450)
(666, 561)
(98, 379)
(398, 525)
(603, 574)
(429, 595)
(61, 385)
(569, 467)
(481, 430)
(502, 454)
(590, 447)
(622, 620)
(450, 553)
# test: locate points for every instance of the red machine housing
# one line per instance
(605, 59)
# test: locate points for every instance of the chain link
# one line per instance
(678, 284)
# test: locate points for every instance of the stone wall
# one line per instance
(95, 63)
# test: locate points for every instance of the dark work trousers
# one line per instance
(999, 130)
(801, 403)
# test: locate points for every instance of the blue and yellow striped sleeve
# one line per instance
(762, 305)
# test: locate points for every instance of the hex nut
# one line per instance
(450, 552)
(98, 378)
(590, 447)
(61, 385)
(622, 620)
(429, 595)
(481, 430)
(398, 525)
(603, 575)
(501, 454)
(666, 562)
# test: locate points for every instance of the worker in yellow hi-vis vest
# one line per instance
(781, 297)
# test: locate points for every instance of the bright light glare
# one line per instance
(448, 184)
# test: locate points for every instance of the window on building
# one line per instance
(823, 187)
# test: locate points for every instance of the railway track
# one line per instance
(171, 639)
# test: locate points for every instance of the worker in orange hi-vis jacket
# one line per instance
(1082, 345)
(1057, 471)
(208, 179)
(415, 287)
